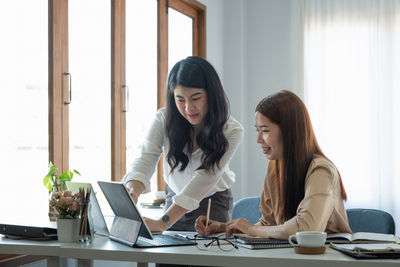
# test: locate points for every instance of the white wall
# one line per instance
(269, 66)
(251, 45)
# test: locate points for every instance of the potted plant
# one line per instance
(56, 183)
(67, 211)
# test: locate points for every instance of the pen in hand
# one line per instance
(208, 211)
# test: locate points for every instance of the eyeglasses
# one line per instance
(224, 244)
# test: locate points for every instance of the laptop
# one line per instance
(123, 207)
(97, 218)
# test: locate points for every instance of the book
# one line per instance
(361, 237)
(369, 251)
(255, 242)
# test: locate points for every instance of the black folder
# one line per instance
(17, 231)
(373, 251)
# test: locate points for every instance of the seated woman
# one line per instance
(303, 190)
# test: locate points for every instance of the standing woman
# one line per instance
(303, 190)
(198, 138)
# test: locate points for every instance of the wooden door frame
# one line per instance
(58, 84)
(118, 87)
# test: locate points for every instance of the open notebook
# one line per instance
(361, 237)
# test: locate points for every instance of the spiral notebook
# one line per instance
(252, 242)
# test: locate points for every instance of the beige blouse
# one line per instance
(322, 208)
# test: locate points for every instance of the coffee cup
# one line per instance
(308, 239)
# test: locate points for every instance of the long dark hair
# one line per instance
(299, 146)
(196, 72)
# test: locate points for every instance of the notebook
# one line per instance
(252, 242)
(97, 218)
(125, 209)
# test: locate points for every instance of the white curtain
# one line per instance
(351, 78)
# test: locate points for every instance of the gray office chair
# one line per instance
(370, 220)
(360, 220)
(247, 208)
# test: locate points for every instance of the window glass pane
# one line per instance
(141, 77)
(180, 36)
(90, 110)
(24, 108)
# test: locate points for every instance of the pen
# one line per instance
(221, 243)
(182, 236)
(208, 211)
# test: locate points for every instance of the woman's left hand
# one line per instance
(239, 225)
(155, 225)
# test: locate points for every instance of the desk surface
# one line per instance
(104, 249)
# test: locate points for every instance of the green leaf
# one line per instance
(66, 176)
(48, 182)
(51, 178)
(52, 169)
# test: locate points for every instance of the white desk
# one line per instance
(104, 249)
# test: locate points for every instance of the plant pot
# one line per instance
(68, 230)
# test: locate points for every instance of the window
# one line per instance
(185, 22)
(24, 108)
(141, 70)
(90, 70)
(48, 57)
(180, 41)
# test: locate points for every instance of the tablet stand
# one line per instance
(125, 230)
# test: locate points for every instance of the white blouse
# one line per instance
(190, 185)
